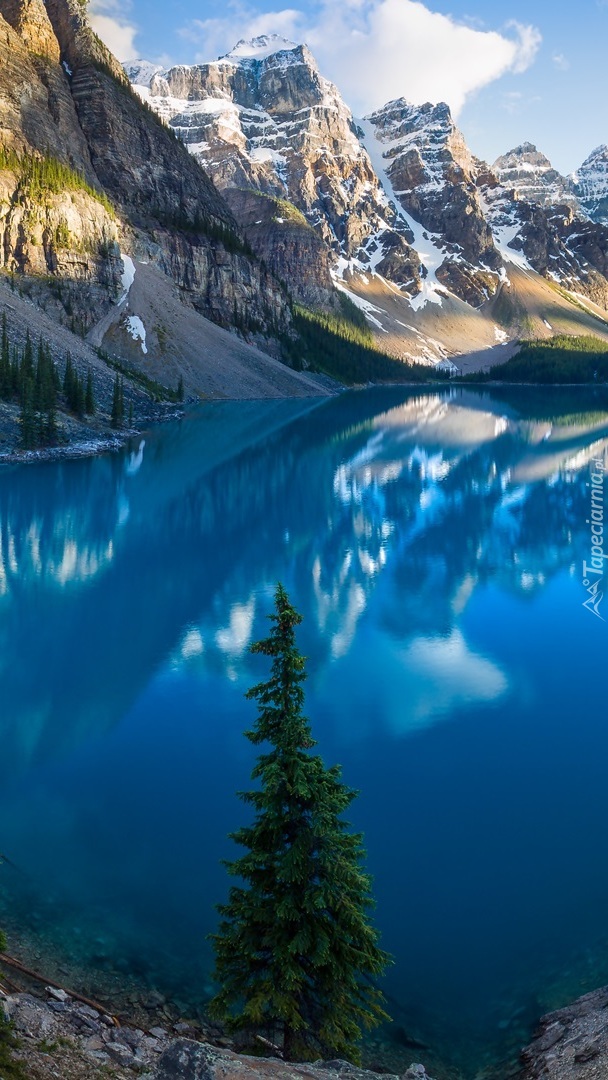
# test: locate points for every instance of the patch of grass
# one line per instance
(156, 390)
(10, 1069)
(288, 212)
(574, 300)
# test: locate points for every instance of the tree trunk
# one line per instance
(289, 1043)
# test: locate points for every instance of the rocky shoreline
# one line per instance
(571, 1043)
(63, 1037)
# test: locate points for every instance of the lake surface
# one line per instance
(435, 545)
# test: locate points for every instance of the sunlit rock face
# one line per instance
(396, 196)
(66, 96)
(263, 118)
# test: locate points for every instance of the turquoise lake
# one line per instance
(434, 543)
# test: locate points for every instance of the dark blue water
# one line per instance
(434, 545)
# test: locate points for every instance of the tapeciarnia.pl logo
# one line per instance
(593, 571)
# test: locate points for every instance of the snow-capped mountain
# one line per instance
(528, 172)
(264, 117)
(393, 207)
(591, 184)
(428, 170)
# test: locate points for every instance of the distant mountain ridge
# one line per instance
(531, 174)
(413, 225)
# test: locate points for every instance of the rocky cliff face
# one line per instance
(528, 172)
(31, 22)
(282, 238)
(591, 185)
(571, 1043)
(394, 204)
(67, 98)
(264, 119)
(52, 225)
(554, 241)
(432, 176)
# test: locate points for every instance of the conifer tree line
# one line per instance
(30, 378)
(41, 174)
(118, 402)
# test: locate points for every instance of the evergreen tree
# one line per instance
(5, 361)
(295, 951)
(89, 398)
(27, 418)
(68, 377)
(26, 368)
(118, 404)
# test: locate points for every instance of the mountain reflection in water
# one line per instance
(434, 544)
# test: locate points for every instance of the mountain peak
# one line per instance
(260, 48)
(526, 170)
(600, 152)
(141, 72)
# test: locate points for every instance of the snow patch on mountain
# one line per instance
(502, 214)
(141, 72)
(127, 277)
(136, 329)
(426, 245)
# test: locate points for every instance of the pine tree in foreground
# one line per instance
(295, 951)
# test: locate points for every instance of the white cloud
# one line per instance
(217, 36)
(561, 62)
(110, 19)
(376, 50)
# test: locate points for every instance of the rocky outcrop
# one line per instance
(30, 20)
(85, 1043)
(196, 1061)
(282, 238)
(68, 234)
(555, 241)
(79, 45)
(433, 175)
(37, 108)
(591, 185)
(528, 172)
(572, 1043)
(65, 96)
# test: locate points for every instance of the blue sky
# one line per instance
(530, 70)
